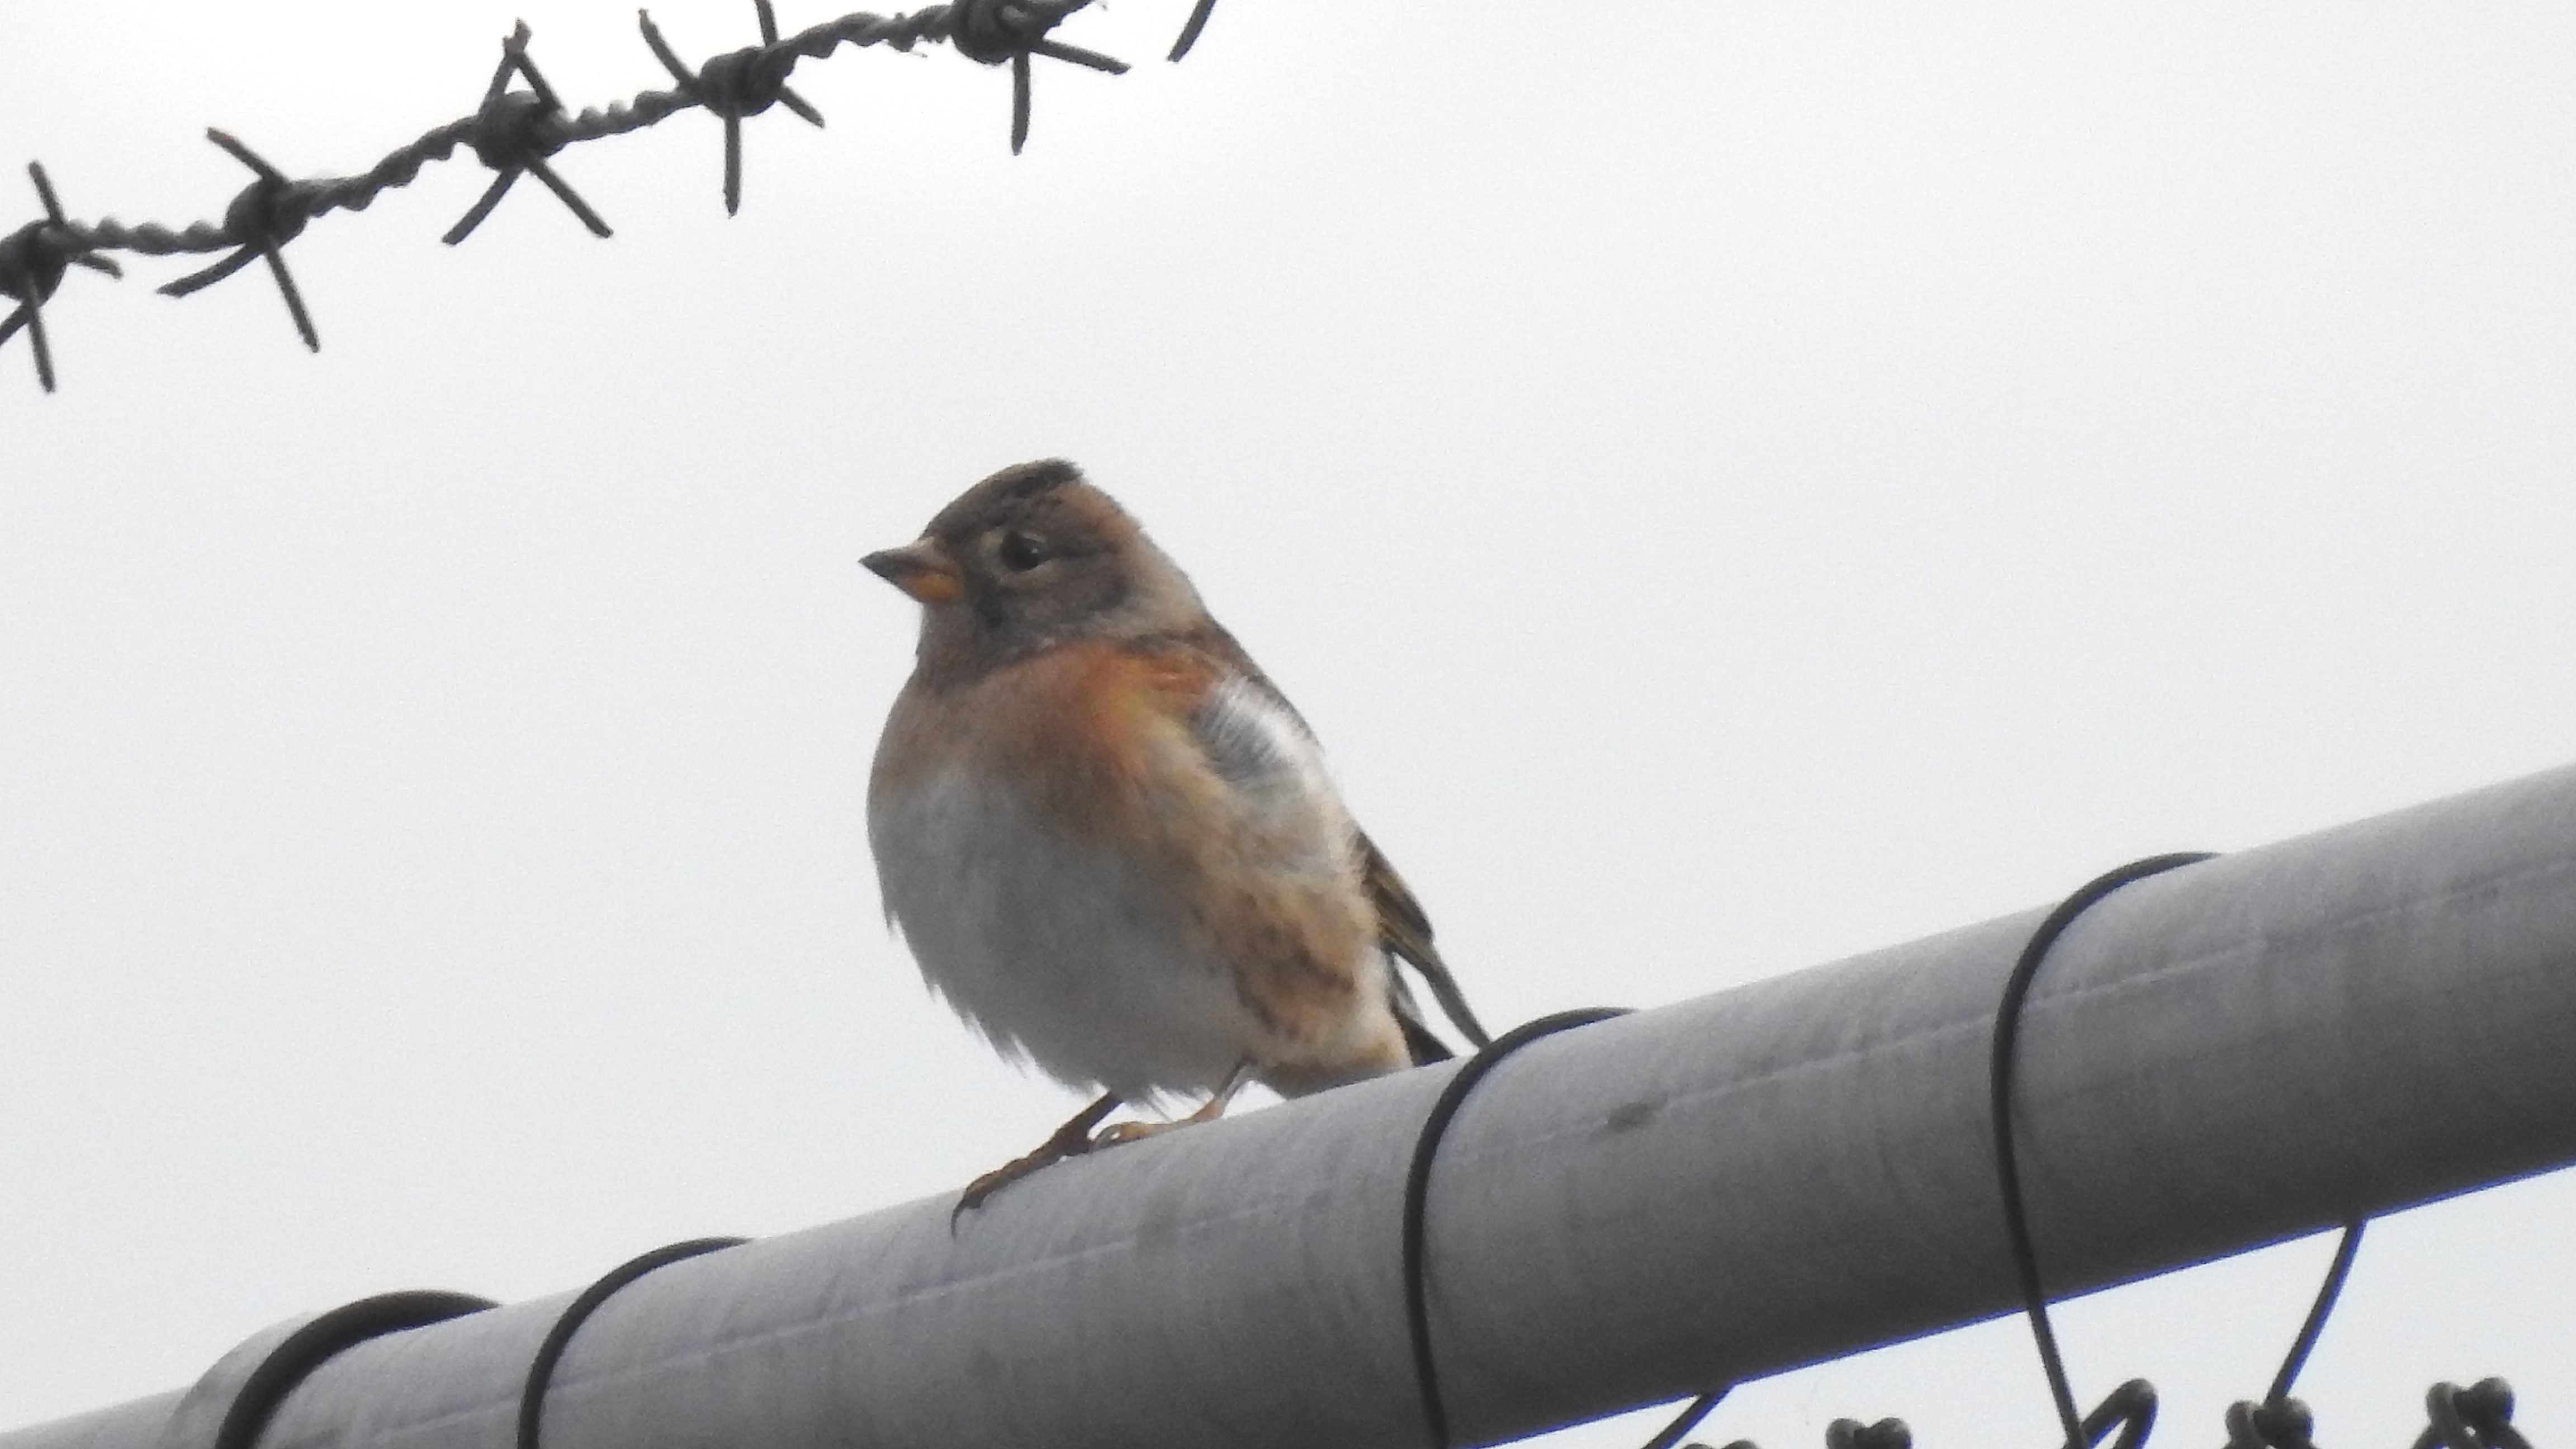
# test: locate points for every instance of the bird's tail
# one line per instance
(1418, 1039)
(1405, 933)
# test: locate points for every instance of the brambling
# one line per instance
(1111, 843)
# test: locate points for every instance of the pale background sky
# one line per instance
(1734, 484)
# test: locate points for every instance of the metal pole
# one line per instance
(2215, 1059)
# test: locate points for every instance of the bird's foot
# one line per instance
(1073, 1139)
(1119, 1134)
(1213, 1108)
(1078, 1136)
(1047, 1155)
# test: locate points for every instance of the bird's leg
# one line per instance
(1070, 1140)
(1076, 1137)
(1213, 1108)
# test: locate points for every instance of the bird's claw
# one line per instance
(1003, 1176)
(1073, 1139)
(1077, 1137)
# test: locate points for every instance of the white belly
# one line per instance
(1059, 951)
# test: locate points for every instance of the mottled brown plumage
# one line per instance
(1109, 840)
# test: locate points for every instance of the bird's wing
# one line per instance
(1403, 928)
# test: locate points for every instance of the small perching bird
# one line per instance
(1109, 840)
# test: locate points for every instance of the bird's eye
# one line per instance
(1021, 551)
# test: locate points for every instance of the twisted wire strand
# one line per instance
(325, 194)
(273, 208)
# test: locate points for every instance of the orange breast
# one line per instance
(1099, 740)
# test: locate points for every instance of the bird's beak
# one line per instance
(921, 569)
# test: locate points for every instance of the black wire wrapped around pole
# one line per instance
(2133, 1405)
(541, 1368)
(1783, 1172)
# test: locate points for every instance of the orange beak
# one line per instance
(921, 569)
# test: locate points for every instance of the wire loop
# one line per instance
(541, 1368)
(2477, 1417)
(266, 1380)
(1417, 1197)
(2282, 1422)
(2007, 1036)
(2131, 1408)
(2272, 1424)
(1853, 1434)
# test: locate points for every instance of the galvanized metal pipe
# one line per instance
(2243, 1050)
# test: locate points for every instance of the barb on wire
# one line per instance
(269, 213)
(32, 262)
(515, 132)
(736, 84)
(1190, 31)
(992, 31)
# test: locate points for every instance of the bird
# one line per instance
(1110, 842)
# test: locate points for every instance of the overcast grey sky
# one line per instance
(1733, 484)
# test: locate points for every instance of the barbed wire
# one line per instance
(516, 131)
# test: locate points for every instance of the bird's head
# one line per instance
(1030, 557)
